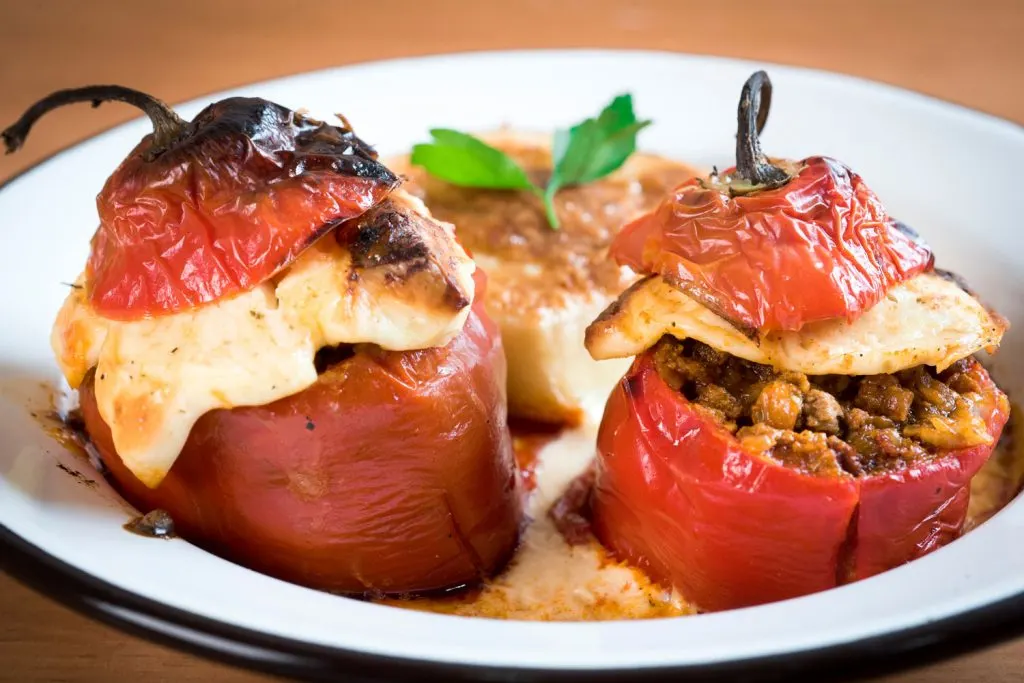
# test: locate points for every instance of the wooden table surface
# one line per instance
(972, 53)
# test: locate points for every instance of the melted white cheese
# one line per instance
(155, 377)
(925, 321)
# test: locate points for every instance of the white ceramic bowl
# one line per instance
(951, 173)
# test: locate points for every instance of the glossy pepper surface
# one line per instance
(677, 495)
(774, 247)
(202, 210)
(392, 474)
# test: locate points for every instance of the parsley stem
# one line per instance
(548, 197)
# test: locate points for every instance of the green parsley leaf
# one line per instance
(586, 152)
(464, 160)
(596, 147)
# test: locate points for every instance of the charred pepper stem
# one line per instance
(167, 126)
(752, 165)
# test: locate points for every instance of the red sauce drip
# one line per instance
(528, 438)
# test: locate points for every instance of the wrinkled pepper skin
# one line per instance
(819, 247)
(246, 189)
(393, 474)
(677, 495)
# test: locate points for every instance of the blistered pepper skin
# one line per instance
(206, 209)
(820, 247)
(908, 514)
(392, 474)
(247, 188)
(677, 495)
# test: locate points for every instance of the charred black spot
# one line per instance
(385, 237)
(396, 242)
(300, 142)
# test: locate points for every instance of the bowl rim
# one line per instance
(219, 641)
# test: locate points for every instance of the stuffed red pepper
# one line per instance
(279, 348)
(805, 408)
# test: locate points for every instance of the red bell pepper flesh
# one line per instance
(907, 514)
(820, 247)
(404, 483)
(677, 496)
(209, 233)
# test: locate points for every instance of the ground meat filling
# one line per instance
(831, 424)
